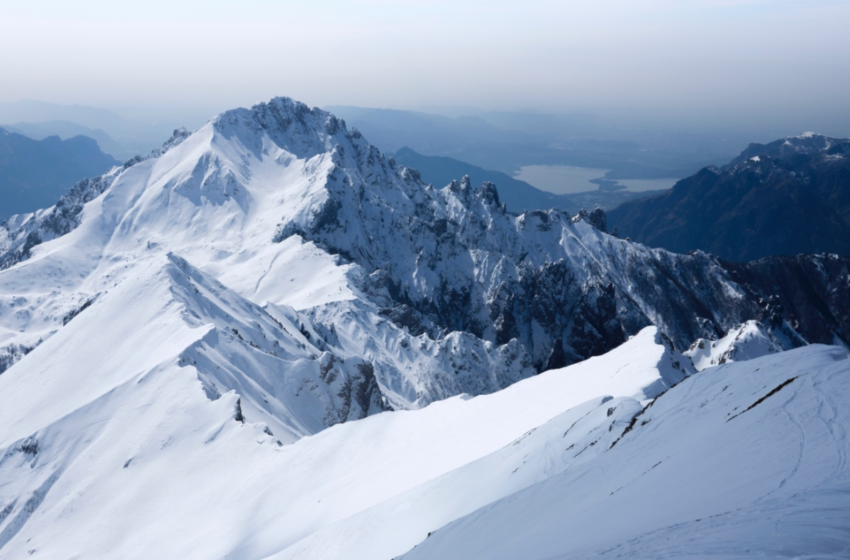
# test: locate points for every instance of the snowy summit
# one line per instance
(268, 340)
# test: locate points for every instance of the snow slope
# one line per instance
(200, 350)
(623, 452)
(214, 200)
(745, 460)
(152, 468)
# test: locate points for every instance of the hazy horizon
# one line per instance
(745, 63)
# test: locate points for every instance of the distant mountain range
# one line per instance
(66, 130)
(35, 173)
(507, 141)
(788, 197)
(39, 112)
(517, 195)
(122, 137)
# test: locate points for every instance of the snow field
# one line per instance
(160, 470)
(722, 466)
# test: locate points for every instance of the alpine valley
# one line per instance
(268, 340)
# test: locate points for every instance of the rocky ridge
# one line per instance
(419, 293)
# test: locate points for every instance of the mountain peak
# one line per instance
(256, 184)
(194, 315)
(806, 144)
(290, 124)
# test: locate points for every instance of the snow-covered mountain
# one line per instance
(244, 197)
(746, 342)
(806, 144)
(190, 336)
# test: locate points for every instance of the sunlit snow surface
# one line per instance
(152, 468)
(148, 449)
(190, 384)
(712, 470)
(746, 342)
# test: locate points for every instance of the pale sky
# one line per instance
(656, 55)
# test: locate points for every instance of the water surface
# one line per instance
(560, 179)
(566, 179)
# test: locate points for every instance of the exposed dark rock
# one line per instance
(764, 398)
(73, 313)
(810, 292)
(11, 354)
(786, 198)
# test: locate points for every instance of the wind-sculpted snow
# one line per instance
(599, 458)
(281, 378)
